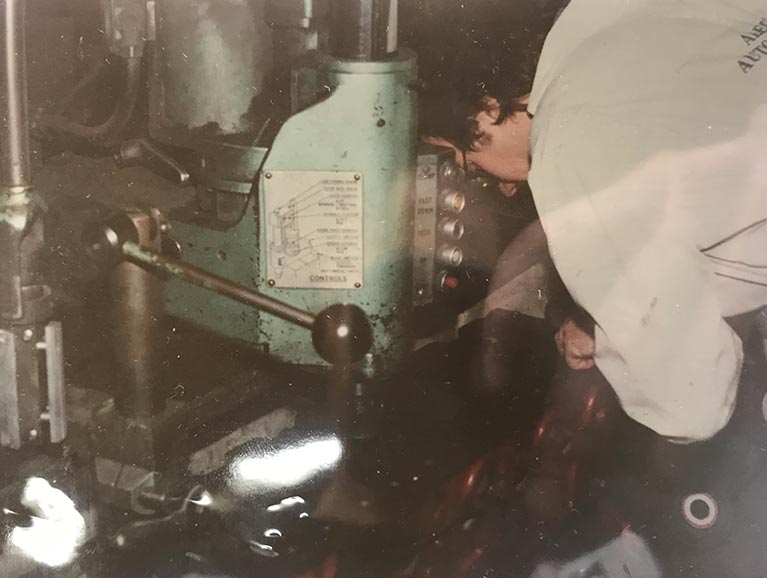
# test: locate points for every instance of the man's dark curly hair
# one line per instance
(464, 63)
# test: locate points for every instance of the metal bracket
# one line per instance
(20, 397)
(10, 434)
(54, 370)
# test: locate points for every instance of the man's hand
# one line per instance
(575, 345)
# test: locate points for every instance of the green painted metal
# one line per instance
(225, 249)
(366, 126)
(230, 253)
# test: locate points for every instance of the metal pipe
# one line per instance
(119, 119)
(364, 29)
(15, 163)
(136, 307)
(191, 274)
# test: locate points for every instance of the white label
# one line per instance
(314, 229)
(425, 234)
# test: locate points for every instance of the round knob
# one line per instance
(452, 201)
(450, 255)
(451, 228)
(451, 173)
(103, 241)
(342, 334)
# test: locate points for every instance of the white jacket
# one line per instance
(649, 172)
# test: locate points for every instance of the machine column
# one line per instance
(364, 29)
(25, 305)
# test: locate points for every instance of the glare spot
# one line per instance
(342, 331)
(263, 549)
(286, 503)
(57, 529)
(290, 466)
(205, 499)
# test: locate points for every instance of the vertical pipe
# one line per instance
(137, 341)
(136, 327)
(14, 132)
(364, 29)
(24, 299)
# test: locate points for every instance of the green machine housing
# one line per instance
(328, 219)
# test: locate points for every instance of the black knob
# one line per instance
(103, 241)
(341, 334)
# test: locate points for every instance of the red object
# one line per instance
(450, 282)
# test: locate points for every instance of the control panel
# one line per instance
(439, 228)
(461, 225)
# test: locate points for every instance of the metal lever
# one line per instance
(145, 153)
(155, 261)
(341, 333)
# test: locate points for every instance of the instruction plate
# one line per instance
(314, 236)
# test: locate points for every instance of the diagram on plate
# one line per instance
(314, 230)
